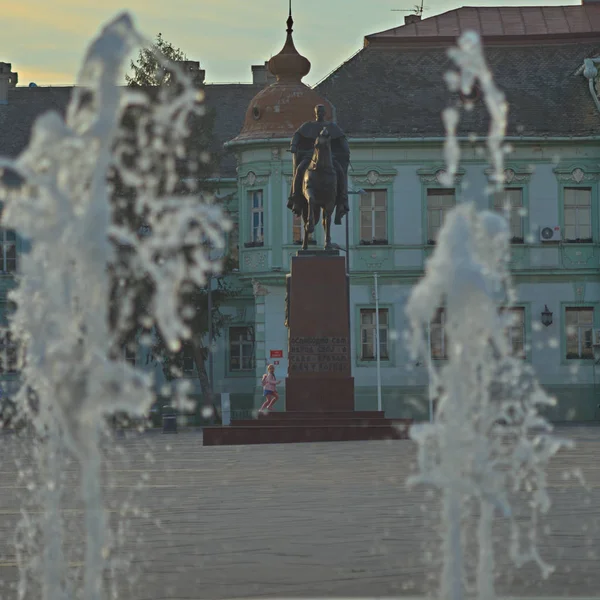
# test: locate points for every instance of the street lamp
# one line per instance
(546, 316)
(358, 192)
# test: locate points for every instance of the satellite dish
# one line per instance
(547, 233)
(33, 84)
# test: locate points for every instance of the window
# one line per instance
(297, 230)
(514, 198)
(234, 244)
(187, 359)
(578, 214)
(367, 334)
(439, 203)
(515, 331)
(8, 353)
(437, 335)
(257, 229)
(8, 239)
(241, 348)
(373, 217)
(579, 324)
(129, 354)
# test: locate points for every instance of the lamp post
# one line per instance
(430, 367)
(358, 192)
(210, 336)
(377, 348)
(596, 349)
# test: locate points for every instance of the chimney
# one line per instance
(261, 75)
(192, 68)
(410, 19)
(8, 79)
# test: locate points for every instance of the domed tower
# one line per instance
(280, 108)
(268, 234)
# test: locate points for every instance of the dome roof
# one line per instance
(279, 109)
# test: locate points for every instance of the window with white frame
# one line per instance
(8, 239)
(241, 348)
(511, 201)
(129, 354)
(515, 330)
(187, 359)
(373, 217)
(8, 353)
(439, 203)
(257, 226)
(437, 335)
(297, 229)
(579, 323)
(578, 214)
(368, 327)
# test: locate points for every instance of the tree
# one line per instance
(133, 294)
(146, 71)
(197, 319)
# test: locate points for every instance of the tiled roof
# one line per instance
(500, 21)
(230, 102)
(399, 91)
(25, 104)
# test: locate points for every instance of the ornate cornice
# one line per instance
(258, 289)
(251, 179)
(513, 174)
(435, 175)
(577, 174)
(373, 175)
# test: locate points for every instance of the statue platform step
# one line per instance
(309, 422)
(325, 414)
(269, 430)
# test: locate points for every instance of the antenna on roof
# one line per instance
(417, 9)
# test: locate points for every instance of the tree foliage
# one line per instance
(133, 293)
(146, 71)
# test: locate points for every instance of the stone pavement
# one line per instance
(291, 520)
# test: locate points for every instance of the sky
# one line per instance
(45, 41)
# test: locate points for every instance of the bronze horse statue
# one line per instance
(319, 188)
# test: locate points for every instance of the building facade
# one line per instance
(388, 98)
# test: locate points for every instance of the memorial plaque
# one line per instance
(319, 355)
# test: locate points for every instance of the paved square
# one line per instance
(292, 520)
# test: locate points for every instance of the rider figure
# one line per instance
(302, 148)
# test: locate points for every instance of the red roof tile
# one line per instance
(501, 21)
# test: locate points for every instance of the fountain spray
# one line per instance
(63, 208)
(488, 441)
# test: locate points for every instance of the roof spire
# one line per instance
(289, 65)
(290, 21)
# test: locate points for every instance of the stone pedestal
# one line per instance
(319, 389)
(319, 373)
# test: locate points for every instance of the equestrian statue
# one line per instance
(321, 156)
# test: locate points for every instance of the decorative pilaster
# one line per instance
(277, 207)
(260, 352)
